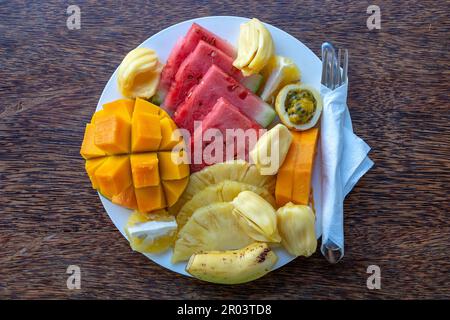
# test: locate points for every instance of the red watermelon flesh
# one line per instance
(181, 51)
(194, 68)
(223, 116)
(214, 85)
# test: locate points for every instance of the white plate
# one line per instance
(227, 28)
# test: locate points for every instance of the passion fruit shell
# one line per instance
(280, 106)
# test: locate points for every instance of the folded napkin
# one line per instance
(341, 161)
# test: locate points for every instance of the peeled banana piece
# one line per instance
(234, 266)
(270, 151)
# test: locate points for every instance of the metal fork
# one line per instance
(333, 75)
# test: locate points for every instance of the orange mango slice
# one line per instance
(150, 198)
(126, 198)
(112, 133)
(144, 169)
(89, 149)
(173, 189)
(146, 132)
(91, 166)
(168, 139)
(114, 175)
(171, 166)
(121, 107)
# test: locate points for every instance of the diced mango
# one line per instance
(169, 138)
(172, 166)
(146, 132)
(121, 107)
(112, 133)
(307, 142)
(126, 198)
(144, 169)
(114, 175)
(163, 114)
(143, 106)
(88, 148)
(285, 177)
(91, 166)
(150, 198)
(173, 189)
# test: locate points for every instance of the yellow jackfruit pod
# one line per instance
(296, 226)
(256, 216)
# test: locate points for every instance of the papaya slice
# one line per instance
(285, 177)
(144, 169)
(307, 143)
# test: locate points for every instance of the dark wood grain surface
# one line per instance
(397, 217)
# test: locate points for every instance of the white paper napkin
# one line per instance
(341, 161)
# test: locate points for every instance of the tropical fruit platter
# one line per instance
(202, 148)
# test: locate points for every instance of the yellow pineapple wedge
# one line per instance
(222, 192)
(213, 227)
(234, 170)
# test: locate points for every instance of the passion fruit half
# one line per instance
(299, 106)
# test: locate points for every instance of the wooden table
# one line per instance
(397, 217)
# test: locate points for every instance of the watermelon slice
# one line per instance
(214, 85)
(182, 49)
(223, 116)
(194, 68)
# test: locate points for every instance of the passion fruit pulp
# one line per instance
(299, 106)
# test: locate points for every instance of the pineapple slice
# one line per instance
(213, 227)
(234, 170)
(222, 192)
